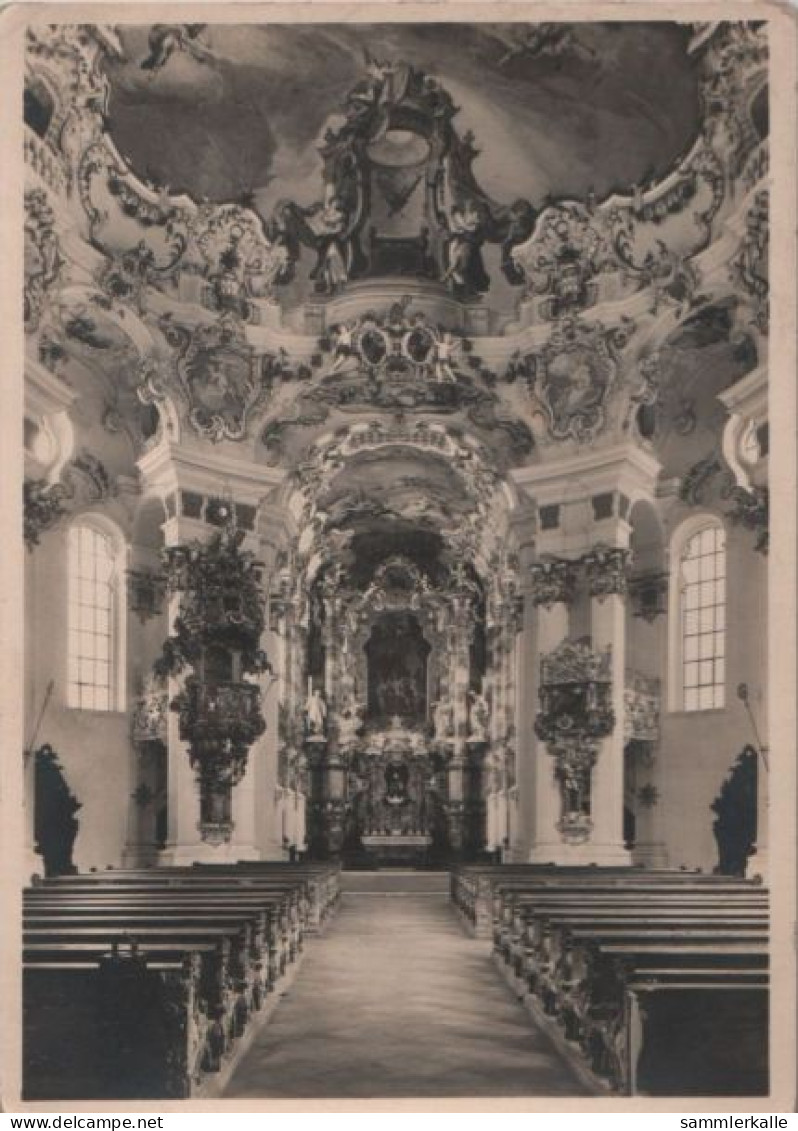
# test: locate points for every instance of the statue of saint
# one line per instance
(332, 268)
(441, 715)
(316, 712)
(478, 716)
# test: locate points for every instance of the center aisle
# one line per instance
(396, 1000)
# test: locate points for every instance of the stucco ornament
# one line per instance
(220, 376)
(571, 378)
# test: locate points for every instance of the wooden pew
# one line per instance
(518, 915)
(597, 1002)
(284, 942)
(612, 958)
(320, 884)
(117, 1026)
(697, 1031)
(475, 888)
(191, 955)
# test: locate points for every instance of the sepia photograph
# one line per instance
(396, 595)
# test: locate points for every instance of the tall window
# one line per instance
(702, 581)
(92, 676)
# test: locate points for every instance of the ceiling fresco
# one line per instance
(396, 270)
(557, 110)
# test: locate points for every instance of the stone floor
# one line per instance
(396, 1000)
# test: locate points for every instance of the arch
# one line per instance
(463, 455)
(697, 615)
(96, 614)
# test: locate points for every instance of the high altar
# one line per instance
(395, 722)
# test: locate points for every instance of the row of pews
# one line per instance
(150, 984)
(651, 983)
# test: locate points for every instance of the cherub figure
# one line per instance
(344, 344)
(447, 347)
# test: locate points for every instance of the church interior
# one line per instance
(396, 523)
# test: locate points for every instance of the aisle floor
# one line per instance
(396, 1000)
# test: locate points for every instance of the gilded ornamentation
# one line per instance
(84, 481)
(576, 713)
(126, 276)
(607, 569)
(553, 582)
(735, 62)
(43, 506)
(397, 584)
(648, 595)
(150, 712)
(567, 249)
(240, 262)
(642, 698)
(43, 259)
(220, 721)
(217, 633)
(648, 795)
(751, 509)
(222, 600)
(146, 591)
(711, 477)
(749, 268)
(707, 474)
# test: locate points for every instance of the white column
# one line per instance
(264, 755)
(547, 846)
(184, 844)
(608, 623)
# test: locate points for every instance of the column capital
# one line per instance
(607, 569)
(553, 582)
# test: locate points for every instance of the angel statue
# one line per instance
(446, 349)
(344, 344)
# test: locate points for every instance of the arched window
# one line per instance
(699, 671)
(94, 676)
